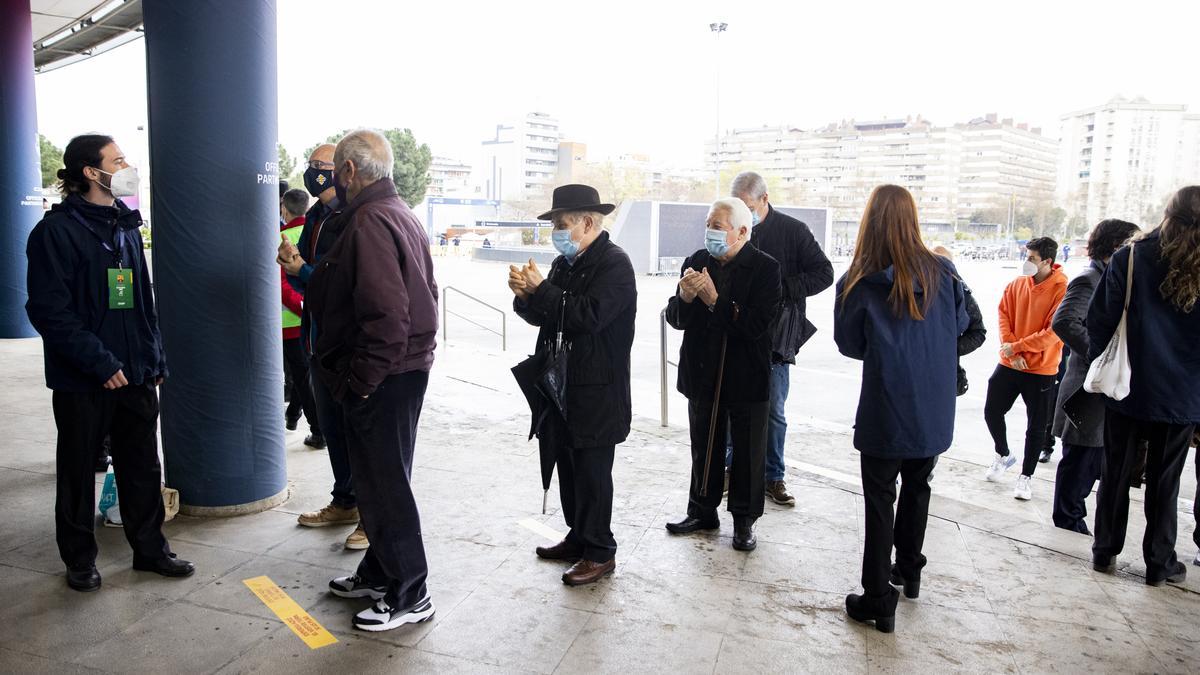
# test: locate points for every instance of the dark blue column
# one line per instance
(20, 166)
(211, 69)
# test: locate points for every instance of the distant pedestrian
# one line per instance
(900, 310)
(295, 360)
(1082, 433)
(1029, 360)
(1163, 405)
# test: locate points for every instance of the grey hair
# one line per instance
(573, 217)
(369, 150)
(748, 183)
(739, 213)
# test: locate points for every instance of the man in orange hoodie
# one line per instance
(1029, 356)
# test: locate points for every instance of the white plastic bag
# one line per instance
(1110, 373)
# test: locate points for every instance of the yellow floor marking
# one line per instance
(292, 614)
(541, 528)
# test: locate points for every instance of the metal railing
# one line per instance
(446, 313)
(664, 362)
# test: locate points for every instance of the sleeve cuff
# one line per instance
(305, 273)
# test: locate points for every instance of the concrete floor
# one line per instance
(1004, 591)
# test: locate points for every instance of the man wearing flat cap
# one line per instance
(590, 292)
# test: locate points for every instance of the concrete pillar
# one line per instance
(20, 165)
(211, 69)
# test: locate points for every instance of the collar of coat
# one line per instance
(589, 257)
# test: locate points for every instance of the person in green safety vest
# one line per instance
(292, 208)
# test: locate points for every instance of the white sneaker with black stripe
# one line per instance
(353, 587)
(381, 616)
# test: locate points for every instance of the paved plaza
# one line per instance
(1004, 590)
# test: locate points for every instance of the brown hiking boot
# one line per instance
(357, 541)
(330, 515)
(777, 491)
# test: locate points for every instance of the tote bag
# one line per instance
(1110, 373)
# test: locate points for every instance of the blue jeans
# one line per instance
(776, 424)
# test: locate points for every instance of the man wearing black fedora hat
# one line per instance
(591, 293)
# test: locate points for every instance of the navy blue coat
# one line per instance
(909, 380)
(1164, 343)
(85, 343)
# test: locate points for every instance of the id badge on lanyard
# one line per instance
(120, 288)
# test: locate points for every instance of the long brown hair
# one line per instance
(890, 236)
(1180, 237)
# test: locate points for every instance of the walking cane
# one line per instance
(712, 422)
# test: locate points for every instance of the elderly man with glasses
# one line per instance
(321, 230)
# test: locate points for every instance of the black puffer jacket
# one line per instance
(601, 304)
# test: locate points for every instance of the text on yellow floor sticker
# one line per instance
(303, 625)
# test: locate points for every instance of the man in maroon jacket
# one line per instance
(374, 298)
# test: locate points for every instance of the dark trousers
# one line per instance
(129, 416)
(1078, 471)
(1166, 455)
(329, 412)
(585, 489)
(295, 364)
(1062, 371)
(1196, 503)
(381, 432)
(904, 529)
(745, 425)
(1037, 391)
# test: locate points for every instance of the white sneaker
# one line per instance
(1023, 489)
(999, 466)
(353, 587)
(381, 617)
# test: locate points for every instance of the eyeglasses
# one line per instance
(319, 165)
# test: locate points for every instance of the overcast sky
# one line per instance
(639, 76)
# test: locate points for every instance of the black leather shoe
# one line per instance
(880, 610)
(316, 441)
(1106, 565)
(85, 579)
(167, 566)
(912, 589)
(743, 534)
(563, 550)
(1176, 574)
(689, 525)
(291, 423)
(102, 463)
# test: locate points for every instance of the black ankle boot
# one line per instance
(880, 610)
(743, 533)
(912, 587)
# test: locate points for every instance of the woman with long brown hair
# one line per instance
(900, 310)
(1163, 405)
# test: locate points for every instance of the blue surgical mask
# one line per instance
(754, 218)
(714, 241)
(564, 244)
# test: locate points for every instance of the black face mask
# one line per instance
(317, 181)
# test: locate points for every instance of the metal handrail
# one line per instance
(503, 332)
(663, 363)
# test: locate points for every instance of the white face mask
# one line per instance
(123, 183)
(1029, 269)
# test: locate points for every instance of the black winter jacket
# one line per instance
(600, 293)
(84, 342)
(805, 271)
(749, 294)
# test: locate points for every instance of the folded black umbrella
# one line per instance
(543, 380)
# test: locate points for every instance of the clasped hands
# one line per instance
(523, 281)
(1018, 362)
(695, 284)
